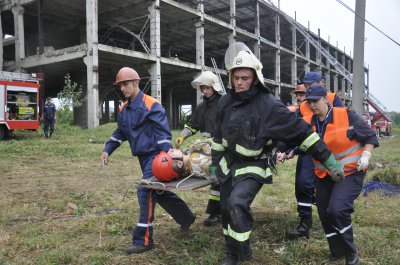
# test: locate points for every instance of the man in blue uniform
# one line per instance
(49, 117)
(248, 120)
(142, 122)
(203, 120)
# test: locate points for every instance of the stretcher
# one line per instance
(190, 182)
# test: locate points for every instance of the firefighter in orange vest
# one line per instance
(305, 178)
(143, 123)
(351, 142)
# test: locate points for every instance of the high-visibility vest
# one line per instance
(348, 152)
(305, 109)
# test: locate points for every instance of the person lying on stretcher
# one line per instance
(195, 160)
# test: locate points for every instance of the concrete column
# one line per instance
(327, 81)
(1, 45)
(155, 48)
(343, 86)
(232, 35)
(277, 56)
(200, 57)
(293, 61)
(18, 12)
(335, 83)
(92, 64)
(257, 44)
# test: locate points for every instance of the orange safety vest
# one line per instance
(305, 109)
(348, 152)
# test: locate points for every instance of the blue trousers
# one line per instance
(305, 185)
(49, 123)
(335, 203)
(148, 198)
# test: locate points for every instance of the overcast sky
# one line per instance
(382, 56)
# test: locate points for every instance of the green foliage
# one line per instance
(183, 119)
(395, 117)
(390, 175)
(71, 96)
(65, 116)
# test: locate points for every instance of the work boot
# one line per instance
(212, 220)
(185, 227)
(46, 135)
(136, 249)
(353, 259)
(336, 257)
(303, 229)
(230, 259)
(50, 135)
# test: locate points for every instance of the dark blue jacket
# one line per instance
(49, 111)
(141, 122)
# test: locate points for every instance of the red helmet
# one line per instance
(126, 74)
(165, 168)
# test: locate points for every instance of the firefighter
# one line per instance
(305, 178)
(49, 117)
(351, 142)
(143, 123)
(248, 119)
(203, 120)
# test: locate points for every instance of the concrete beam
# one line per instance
(8, 4)
(56, 56)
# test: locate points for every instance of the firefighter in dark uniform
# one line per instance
(351, 142)
(49, 117)
(248, 119)
(142, 122)
(203, 120)
(305, 177)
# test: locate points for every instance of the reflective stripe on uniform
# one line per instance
(215, 192)
(164, 141)
(236, 235)
(217, 147)
(304, 204)
(344, 229)
(310, 141)
(214, 198)
(115, 140)
(247, 152)
(331, 234)
(224, 142)
(144, 225)
(194, 131)
(224, 166)
(263, 173)
(347, 152)
(206, 134)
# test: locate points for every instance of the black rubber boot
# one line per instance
(46, 135)
(230, 260)
(303, 229)
(353, 259)
(136, 249)
(212, 220)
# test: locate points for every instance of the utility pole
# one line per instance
(358, 63)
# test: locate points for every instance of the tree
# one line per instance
(71, 96)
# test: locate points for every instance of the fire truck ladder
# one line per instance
(373, 101)
(332, 60)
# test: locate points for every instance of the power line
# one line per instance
(346, 6)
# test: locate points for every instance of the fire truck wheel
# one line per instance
(2, 132)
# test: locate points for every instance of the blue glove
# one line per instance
(335, 169)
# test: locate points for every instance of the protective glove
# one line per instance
(212, 170)
(179, 141)
(335, 169)
(104, 158)
(281, 157)
(364, 160)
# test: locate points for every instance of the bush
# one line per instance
(64, 116)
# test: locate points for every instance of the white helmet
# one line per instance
(246, 59)
(207, 78)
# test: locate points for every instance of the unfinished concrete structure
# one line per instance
(168, 42)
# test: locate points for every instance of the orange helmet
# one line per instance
(126, 74)
(300, 88)
(165, 168)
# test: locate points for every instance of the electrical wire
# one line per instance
(369, 23)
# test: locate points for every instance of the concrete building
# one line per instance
(168, 42)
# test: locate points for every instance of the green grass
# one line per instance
(39, 177)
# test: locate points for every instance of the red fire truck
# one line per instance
(19, 102)
(379, 121)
